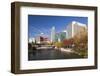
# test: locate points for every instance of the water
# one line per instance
(50, 54)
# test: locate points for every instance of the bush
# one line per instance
(58, 44)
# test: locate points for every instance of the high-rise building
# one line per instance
(75, 28)
(61, 36)
(53, 34)
(72, 29)
(57, 37)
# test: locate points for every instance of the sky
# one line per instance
(41, 24)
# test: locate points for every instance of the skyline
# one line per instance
(41, 24)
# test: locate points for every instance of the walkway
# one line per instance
(67, 50)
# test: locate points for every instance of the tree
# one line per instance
(67, 42)
(58, 44)
(81, 43)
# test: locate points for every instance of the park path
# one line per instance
(67, 50)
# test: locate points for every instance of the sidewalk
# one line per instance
(67, 50)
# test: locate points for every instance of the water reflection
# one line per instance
(47, 54)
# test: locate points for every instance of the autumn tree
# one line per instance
(67, 42)
(58, 44)
(81, 43)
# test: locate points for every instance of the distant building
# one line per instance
(38, 40)
(53, 34)
(57, 37)
(63, 35)
(72, 29)
(30, 40)
(42, 40)
(75, 28)
(60, 36)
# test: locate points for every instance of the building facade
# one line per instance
(75, 28)
(60, 36)
(53, 34)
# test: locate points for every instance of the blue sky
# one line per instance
(38, 24)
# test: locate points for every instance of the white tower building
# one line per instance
(75, 27)
(53, 34)
(66, 33)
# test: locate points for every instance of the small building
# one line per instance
(41, 40)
